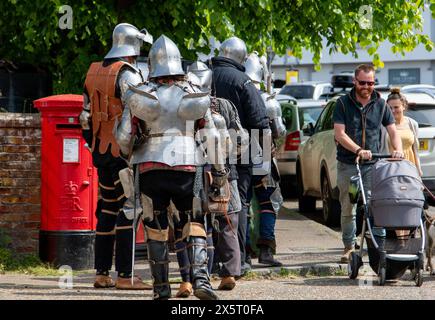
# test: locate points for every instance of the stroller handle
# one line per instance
(374, 156)
(381, 156)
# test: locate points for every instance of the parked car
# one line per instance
(306, 90)
(420, 88)
(421, 107)
(316, 164)
(316, 167)
(285, 98)
(295, 117)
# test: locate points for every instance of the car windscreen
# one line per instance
(299, 92)
(307, 115)
(423, 114)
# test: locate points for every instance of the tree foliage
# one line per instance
(29, 29)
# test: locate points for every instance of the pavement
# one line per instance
(310, 253)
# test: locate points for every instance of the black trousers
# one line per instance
(112, 223)
(162, 186)
(244, 182)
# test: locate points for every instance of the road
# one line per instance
(301, 242)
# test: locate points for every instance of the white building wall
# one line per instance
(337, 62)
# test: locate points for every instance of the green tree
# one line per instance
(29, 29)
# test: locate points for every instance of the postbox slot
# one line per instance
(68, 126)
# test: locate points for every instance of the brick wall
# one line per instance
(20, 172)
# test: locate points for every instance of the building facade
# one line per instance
(415, 67)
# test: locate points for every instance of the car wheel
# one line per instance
(306, 203)
(331, 207)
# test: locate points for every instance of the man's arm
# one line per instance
(346, 142)
(396, 142)
(254, 108)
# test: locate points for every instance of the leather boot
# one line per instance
(103, 281)
(159, 265)
(266, 257)
(185, 289)
(197, 250)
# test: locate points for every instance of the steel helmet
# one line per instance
(254, 68)
(164, 58)
(127, 40)
(233, 48)
(202, 72)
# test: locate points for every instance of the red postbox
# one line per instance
(69, 185)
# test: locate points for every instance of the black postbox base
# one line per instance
(71, 248)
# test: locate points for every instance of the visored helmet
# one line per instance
(164, 58)
(354, 189)
(127, 40)
(254, 68)
(202, 72)
(233, 48)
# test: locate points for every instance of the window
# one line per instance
(325, 120)
(298, 92)
(327, 89)
(423, 114)
(307, 115)
(404, 76)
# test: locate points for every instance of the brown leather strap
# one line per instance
(105, 106)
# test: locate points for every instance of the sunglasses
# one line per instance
(363, 83)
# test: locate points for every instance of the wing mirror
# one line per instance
(308, 129)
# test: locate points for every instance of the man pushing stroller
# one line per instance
(358, 118)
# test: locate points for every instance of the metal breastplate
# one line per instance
(169, 113)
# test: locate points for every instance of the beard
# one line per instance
(364, 93)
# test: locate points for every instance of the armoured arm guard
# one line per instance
(86, 121)
(273, 110)
(85, 115)
(215, 151)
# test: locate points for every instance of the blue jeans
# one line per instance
(348, 210)
(267, 214)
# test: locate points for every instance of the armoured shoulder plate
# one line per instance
(169, 113)
(193, 106)
(273, 108)
(129, 76)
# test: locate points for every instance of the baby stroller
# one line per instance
(396, 203)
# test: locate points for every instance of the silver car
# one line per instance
(421, 107)
(307, 90)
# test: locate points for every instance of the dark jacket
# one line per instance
(230, 82)
(363, 125)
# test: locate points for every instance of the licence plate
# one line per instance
(424, 144)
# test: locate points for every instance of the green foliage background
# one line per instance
(29, 29)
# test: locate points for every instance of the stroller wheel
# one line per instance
(418, 277)
(355, 262)
(382, 276)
